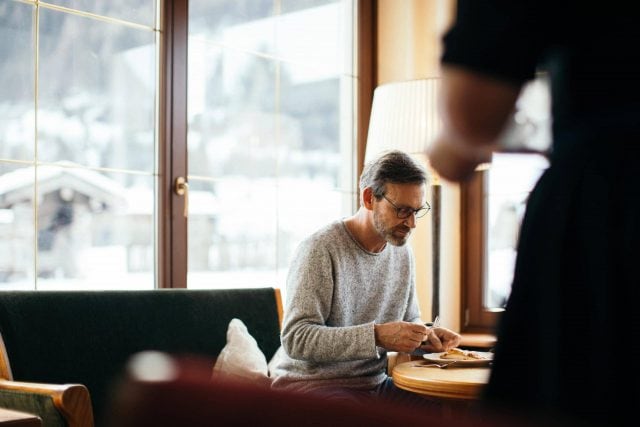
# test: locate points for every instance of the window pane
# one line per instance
(270, 134)
(300, 214)
(138, 11)
(314, 160)
(232, 100)
(288, 6)
(511, 179)
(87, 222)
(97, 84)
(232, 233)
(17, 81)
(95, 230)
(239, 24)
(16, 227)
(320, 36)
(310, 116)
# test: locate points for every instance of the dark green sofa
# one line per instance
(60, 352)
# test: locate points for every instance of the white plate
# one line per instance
(437, 358)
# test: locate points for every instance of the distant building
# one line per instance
(76, 209)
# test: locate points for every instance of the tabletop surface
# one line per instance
(453, 382)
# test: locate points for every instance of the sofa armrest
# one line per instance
(61, 404)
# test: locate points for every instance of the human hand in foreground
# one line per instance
(454, 161)
(400, 336)
(475, 109)
(441, 339)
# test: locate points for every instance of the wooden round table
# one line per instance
(459, 383)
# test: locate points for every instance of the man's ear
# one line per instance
(367, 198)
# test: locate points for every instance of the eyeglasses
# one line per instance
(404, 212)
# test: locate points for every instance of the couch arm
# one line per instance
(64, 405)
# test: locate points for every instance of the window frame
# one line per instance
(172, 150)
(475, 318)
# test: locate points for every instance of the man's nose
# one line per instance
(411, 220)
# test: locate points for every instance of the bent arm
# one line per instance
(475, 109)
(305, 333)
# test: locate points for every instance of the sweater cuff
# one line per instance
(371, 338)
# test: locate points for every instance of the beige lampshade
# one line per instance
(404, 116)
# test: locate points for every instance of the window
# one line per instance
(97, 124)
(493, 204)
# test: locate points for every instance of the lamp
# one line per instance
(404, 116)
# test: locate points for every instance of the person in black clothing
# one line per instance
(571, 324)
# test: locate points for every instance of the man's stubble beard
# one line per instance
(387, 234)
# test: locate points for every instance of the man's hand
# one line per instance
(400, 336)
(441, 339)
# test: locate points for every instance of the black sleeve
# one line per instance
(504, 39)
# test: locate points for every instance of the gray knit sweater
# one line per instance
(336, 291)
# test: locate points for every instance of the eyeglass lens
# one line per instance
(404, 213)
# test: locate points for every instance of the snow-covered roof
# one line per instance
(18, 185)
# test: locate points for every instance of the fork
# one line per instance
(432, 325)
(437, 365)
(436, 322)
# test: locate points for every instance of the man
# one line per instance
(351, 291)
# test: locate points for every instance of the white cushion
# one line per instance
(241, 358)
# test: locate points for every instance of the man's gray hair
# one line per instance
(395, 167)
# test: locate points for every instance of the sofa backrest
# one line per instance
(86, 337)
